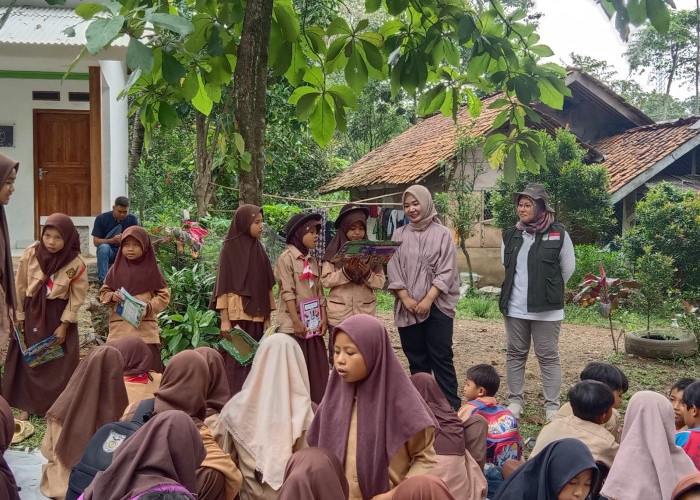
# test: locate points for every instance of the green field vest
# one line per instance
(545, 285)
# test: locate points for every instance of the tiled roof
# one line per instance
(414, 153)
(634, 151)
(44, 26)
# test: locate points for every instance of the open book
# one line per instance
(241, 347)
(41, 352)
(131, 309)
(372, 252)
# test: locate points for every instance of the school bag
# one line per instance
(100, 449)
(503, 441)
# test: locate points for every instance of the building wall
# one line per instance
(17, 109)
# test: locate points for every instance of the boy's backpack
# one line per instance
(503, 440)
(100, 449)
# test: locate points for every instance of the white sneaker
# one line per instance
(550, 415)
(516, 409)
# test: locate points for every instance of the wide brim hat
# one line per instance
(297, 221)
(348, 209)
(536, 192)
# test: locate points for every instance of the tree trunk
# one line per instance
(250, 85)
(463, 246)
(203, 189)
(136, 146)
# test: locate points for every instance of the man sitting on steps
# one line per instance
(107, 234)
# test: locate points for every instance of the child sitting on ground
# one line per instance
(503, 441)
(676, 399)
(616, 380)
(689, 439)
(592, 405)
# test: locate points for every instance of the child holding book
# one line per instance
(136, 271)
(243, 289)
(51, 286)
(352, 283)
(298, 277)
(371, 417)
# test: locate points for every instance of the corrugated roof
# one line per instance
(631, 153)
(44, 26)
(414, 153)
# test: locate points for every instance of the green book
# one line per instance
(241, 347)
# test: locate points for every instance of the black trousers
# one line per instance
(428, 347)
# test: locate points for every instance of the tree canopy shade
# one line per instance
(638, 12)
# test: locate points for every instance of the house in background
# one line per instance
(69, 135)
(636, 151)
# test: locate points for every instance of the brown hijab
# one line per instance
(349, 214)
(389, 409)
(167, 450)
(422, 487)
(244, 267)
(51, 263)
(139, 275)
(95, 395)
(184, 386)
(138, 357)
(450, 440)
(8, 485)
(7, 165)
(314, 474)
(691, 482)
(218, 392)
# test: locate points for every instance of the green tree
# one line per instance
(638, 12)
(189, 52)
(578, 191)
(668, 221)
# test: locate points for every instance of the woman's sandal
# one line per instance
(23, 429)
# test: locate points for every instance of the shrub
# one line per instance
(196, 328)
(190, 287)
(588, 258)
(654, 273)
(668, 221)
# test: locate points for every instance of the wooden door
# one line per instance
(61, 163)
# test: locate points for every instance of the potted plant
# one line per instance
(654, 272)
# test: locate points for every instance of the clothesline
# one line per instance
(331, 203)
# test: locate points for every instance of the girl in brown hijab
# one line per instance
(8, 485)
(94, 396)
(140, 381)
(243, 289)
(298, 277)
(51, 286)
(371, 417)
(8, 304)
(218, 392)
(184, 387)
(163, 455)
(135, 270)
(351, 284)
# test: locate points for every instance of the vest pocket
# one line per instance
(553, 290)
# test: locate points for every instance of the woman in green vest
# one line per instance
(538, 257)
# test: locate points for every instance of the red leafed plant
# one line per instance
(607, 292)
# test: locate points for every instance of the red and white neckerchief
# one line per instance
(49, 285)
(307, 274)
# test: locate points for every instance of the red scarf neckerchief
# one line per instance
(307, 274)
(137, 379)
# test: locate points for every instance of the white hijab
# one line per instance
(273, 408)
(648, 463)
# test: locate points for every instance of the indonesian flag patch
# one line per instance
(551, 237)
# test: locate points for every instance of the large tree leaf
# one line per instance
(549, 95)
(297, 64)
(101, 32)
(372, 5)
(396, 7)
(173, 71)
(171, 22)
(343, 94)
(88, 10)
(167, 115)
(659, 15)
(338, 26)
(306, 104)
(287, 19)
(322, 121)
(201, 101)
(431, 100)
(356, 70)
(139, 56)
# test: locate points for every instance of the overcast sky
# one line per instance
(582, 27)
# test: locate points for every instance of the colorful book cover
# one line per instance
(242, 347)
(372, 252)
(41, 352)
(310, 312)
(131, 309)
